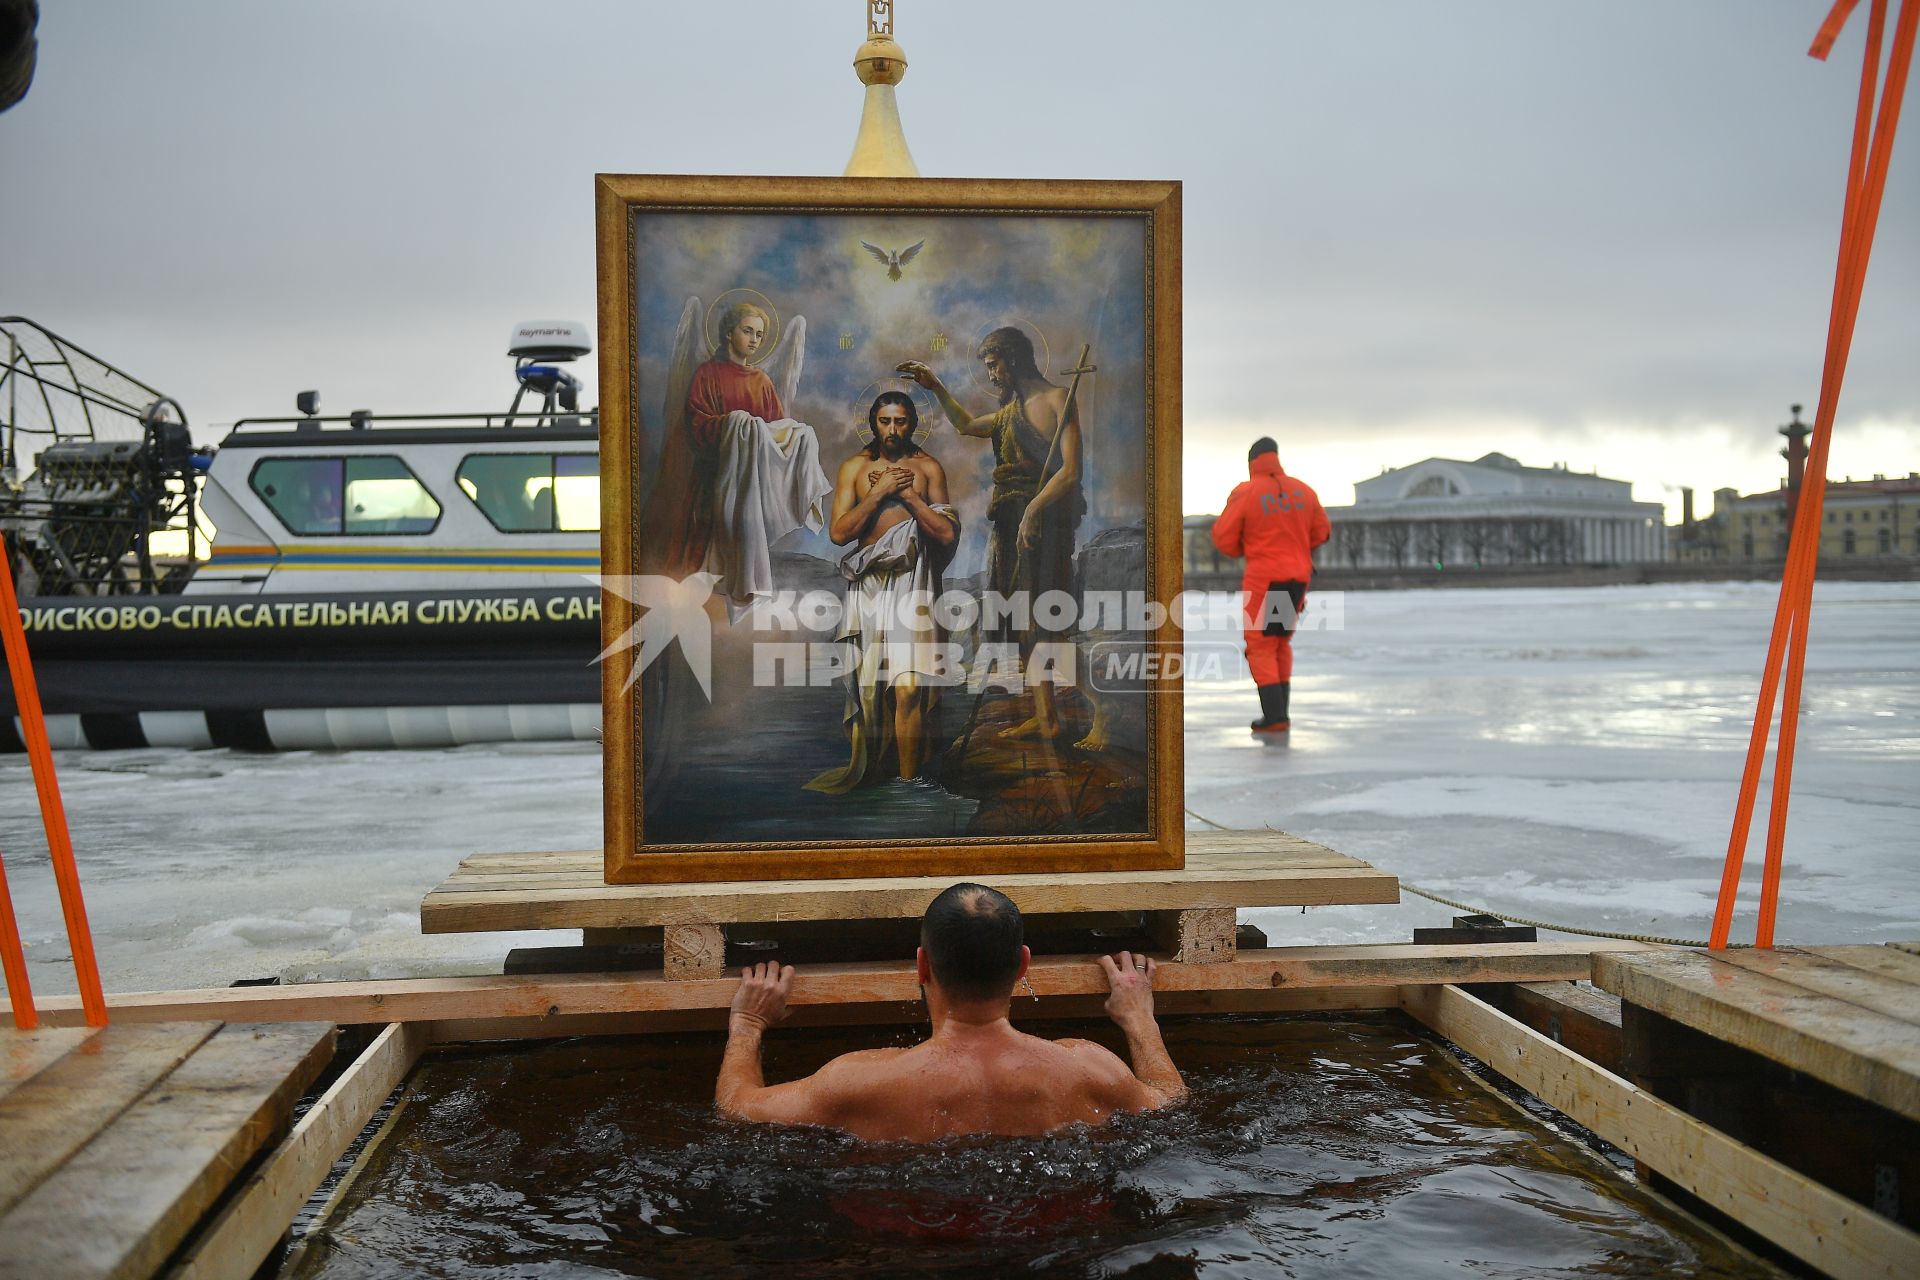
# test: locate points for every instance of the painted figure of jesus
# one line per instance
(1036, 504)
(890, 503)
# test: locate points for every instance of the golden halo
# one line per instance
(923, 402)
(1042, 354)
(761, 300)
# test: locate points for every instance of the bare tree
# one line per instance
(1398, 536)
(1482, 538)
(1530, 538)
(1559, 543)
(1350, 539)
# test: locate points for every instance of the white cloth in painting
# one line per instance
(891, 587)
(767, 483)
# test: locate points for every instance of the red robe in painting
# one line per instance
(679, 522)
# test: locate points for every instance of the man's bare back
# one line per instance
(977, 1075)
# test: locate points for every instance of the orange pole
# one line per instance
(13, 959)
(33, 727)
(1887, 121)
(1866, 181)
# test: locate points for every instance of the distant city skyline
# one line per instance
(1598, 236)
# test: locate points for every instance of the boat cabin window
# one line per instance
(375, 494)
(535, 492)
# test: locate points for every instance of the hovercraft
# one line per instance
(310, 582)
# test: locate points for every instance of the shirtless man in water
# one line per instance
(976, 1075)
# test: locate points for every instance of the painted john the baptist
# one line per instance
(900, 489)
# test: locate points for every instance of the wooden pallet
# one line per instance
(1191, 911)
(114, 1143)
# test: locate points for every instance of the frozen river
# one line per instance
(1567, 754)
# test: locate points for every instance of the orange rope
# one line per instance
(13, 959)
(1866, 183)
(33, 727)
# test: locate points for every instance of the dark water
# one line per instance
(1311, 1147)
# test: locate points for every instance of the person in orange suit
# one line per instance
(1275, 521)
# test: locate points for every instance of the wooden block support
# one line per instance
(1204, 935)
(693, 951)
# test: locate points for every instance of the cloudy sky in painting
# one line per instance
(1599, 234)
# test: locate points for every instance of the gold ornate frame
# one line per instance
(618, 199)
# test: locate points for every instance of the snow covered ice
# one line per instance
(1570, 754)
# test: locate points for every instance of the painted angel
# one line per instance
(736, 473)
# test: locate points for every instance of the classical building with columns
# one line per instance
(1492, 511)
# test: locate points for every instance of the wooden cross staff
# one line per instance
(1080, 369)
(1073, 393)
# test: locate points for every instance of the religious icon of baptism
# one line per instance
(896, 604)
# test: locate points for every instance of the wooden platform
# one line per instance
(1808, 1056)
(115, 1143)
(1847, 1016)
(1225, 870)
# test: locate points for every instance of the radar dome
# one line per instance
(549, 340)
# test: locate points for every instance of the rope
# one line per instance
(1513, 919)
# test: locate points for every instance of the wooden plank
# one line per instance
(1847, 1145)
(598, 906)
(1887, 961)
(1583, 1019)
(1818, 1226)
(546, 996)
(246, 1231)
(24, 1053)
(1894, 997)
(120, 1206)
(1167, 1004)
(1865, 1053)
(59, 1110)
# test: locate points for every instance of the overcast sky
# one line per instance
(1601, 233)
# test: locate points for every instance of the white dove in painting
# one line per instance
(893, 259)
